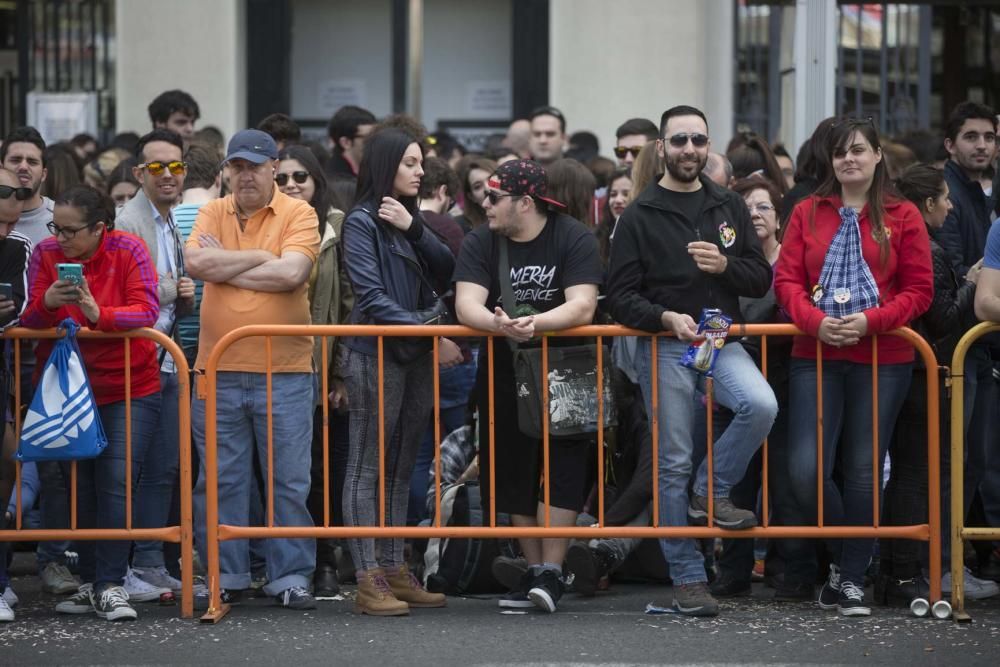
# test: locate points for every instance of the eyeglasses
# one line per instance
(622, 151)
(495, 197)
(761, 207)
(20, 194)
(299, 177)
(176, 167)
(680, 140)
(66, 232)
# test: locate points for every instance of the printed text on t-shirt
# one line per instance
(532, 283)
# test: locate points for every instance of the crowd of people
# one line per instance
(385, 223)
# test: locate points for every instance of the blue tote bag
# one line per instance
(62, 423)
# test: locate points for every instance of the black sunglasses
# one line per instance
(622, 151)
(495, 197)
(299, 177)
(680, 140)
(20, 194)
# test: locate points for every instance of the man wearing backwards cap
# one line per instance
(555, 272)
(255, 249)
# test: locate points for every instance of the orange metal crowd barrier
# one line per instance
(929, 532)
(181, 533)
(959, 531)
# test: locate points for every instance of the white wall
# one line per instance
(195, 45)
(344, 42)
(465, 41)
(610, 61)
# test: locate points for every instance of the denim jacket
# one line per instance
(384, 264)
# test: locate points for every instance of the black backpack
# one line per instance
(461, 566)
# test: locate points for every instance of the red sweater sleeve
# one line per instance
(792, 284)
(913, 279)
(142, 305)
(41, 275)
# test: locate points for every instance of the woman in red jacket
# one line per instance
(855, 262)
(118, 293)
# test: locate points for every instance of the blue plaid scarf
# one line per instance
(846, 284)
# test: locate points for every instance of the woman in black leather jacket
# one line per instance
(948, 318)
(396, 266)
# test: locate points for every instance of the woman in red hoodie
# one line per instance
(855, 262)
(118, 293)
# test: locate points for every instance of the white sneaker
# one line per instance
(57, 579)
(975, 588)
(6, 613)
(10, 597)
(140, 591)
(159, 577)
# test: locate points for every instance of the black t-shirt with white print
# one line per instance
(563, 255)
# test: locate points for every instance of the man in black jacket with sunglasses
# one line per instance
(686, 244)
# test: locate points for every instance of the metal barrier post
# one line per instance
(959, 532)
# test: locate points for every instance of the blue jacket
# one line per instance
(963, 235)
(383, 264)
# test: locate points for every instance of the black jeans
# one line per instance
(339, 445)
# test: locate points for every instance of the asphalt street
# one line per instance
(609, 629)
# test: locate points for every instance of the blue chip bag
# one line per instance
(701, 355)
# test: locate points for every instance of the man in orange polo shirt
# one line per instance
(254, 250)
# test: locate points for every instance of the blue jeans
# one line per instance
(455, 386)
(847, 439)
(242, 428)
(101, 489)
(740, 387)
(155, 500)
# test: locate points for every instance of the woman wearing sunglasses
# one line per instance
(855, 262)
(395, 265)
(300, 175)
(117, 293)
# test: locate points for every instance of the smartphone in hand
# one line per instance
(6, 291)
(70, 273)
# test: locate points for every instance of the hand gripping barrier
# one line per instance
(181, 533)
(929, 532)
(959, 531)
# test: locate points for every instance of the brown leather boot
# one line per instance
(375, 597)
(406, 587)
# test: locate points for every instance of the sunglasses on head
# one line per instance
(176, 167)
(680, 140)
(20, 194)
(622, 151)
(299, 177)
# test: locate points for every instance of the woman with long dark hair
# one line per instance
(473, 170)
(395, 265)
(619, 195)
(855, 262)
(300, 175)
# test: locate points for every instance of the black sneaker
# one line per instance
(725, 513)
(296, 597)
(509, 571)
(785, 591)
(694, 599)
(728, 586)
(588, 566)
(517, 598)
(852, 600)
(829, 595)
(112, 604)
(546, 590)
(79, 602)
(325, 583)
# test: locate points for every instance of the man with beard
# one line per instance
(684, 245)
(23, 152)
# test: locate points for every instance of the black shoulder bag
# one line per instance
(572, 379)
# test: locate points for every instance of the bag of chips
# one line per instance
(701, 355)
